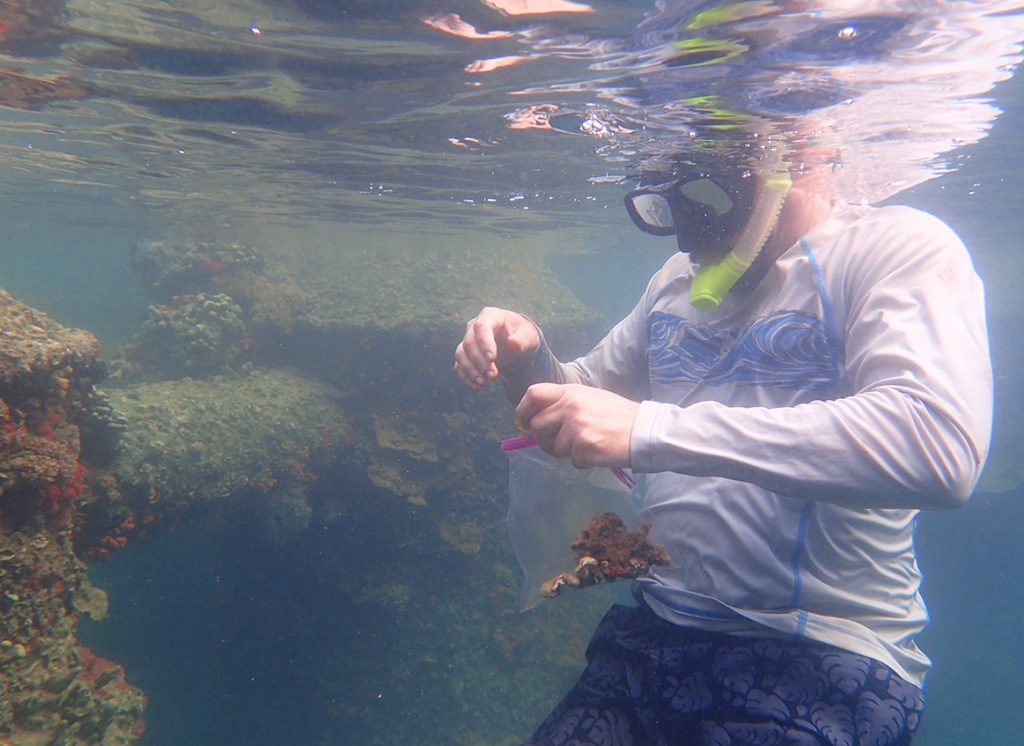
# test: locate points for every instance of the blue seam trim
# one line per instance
(801, 624)
(794, 565)
(826, 306)
(915, 524)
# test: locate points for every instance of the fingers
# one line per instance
(470, 371)
(591, 426)
(543, 410)
(538, 398)
(494, 337)
(476, 355)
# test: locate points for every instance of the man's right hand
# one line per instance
(494, 339)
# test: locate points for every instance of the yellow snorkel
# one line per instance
(713, 281)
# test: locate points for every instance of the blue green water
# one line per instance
(183, 599)
(333, 127)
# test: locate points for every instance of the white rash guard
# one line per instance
(789, 437)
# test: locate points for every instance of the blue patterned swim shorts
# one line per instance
(652, 683)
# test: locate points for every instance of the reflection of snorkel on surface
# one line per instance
(713, 281)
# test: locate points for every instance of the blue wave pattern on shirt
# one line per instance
(785, 349)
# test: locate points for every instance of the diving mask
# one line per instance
(722, 224)
(702, 211)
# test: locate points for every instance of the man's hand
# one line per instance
(494, 339)
(590, 425)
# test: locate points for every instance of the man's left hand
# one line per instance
(590, 425)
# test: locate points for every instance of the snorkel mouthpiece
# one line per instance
(713, 281)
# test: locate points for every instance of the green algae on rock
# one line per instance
(421, 288)
(191, 441)
(170, 268)
(192, 335)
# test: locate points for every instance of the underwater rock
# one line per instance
(272, 305)
(100, 427)
(269, 306)
(191, 442)
(283, 513)
(381, 322)
(38, 355)
(168, 269)
(193, 335)
(423, 288)
(46, 377)
(45, 370)
(465, 535)
(102, 707)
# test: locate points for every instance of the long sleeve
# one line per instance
(913, 430)
(617, 363)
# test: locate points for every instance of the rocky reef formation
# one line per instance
(383, 323)
(304, 397)
(249, 441)
(51, 689)
(215, 308)
(376, 324)
(171, 268)
(192, 335)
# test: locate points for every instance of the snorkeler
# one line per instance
(796, 383)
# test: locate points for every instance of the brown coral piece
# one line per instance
(607, 551)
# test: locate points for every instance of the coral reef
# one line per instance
(193, 335)
(341, 389)
(40, 356)
(100, 427)
(254, 437)
(465, 535)
(216, 304)
(607, 551)
(47, 374)
(425, 289)
(380, 324)
(50, 688)
(168, 269)
(272, 305)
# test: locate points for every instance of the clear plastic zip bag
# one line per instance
(551, 503)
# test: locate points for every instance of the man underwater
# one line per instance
(795, 383)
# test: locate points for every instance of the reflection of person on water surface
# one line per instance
(794, 384)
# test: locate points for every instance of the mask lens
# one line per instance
(651, 212)
(709, 194)
(654, 210)
(701, 211)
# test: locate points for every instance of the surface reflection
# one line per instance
(296, 110)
